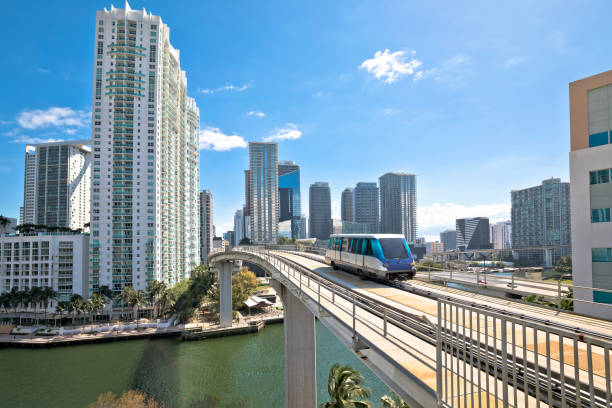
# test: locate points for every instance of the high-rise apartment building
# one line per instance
(145, 172)
(472, 233)
(365, 205)
(207, 232)
(501, 235)
(541, 218)
(28, 210)
(319, 210)
(238, 226)
(591, 192)
(56, 184)
(264, 192)
(448, 238)
(247, 193)
(398, 205)
(346, 205)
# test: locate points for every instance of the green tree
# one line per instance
(36, 294)
(15, 297)
(61, 308)
(47, 295)
(198, 287)
(129, 399)
(76, 306)
(154, 293)
(126, 296)
(393, 401)
(98, 303)
(5, 301)
(4, 221)
(244, 284)
(563, 266)
(137, 300)
(345, 387)
(107, 294)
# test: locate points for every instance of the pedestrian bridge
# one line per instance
(434, 346)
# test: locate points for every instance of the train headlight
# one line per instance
(412, 263)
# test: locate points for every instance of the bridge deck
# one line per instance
(534, 343)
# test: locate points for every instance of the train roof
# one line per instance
(367, 236)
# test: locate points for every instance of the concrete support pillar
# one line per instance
(225, 293)
(300, 352)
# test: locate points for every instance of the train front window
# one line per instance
(393, 248)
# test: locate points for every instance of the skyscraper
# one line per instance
(448, 238)
(346, 205)
(398, 205)
(320, 210)
(247, 193)
(56, 184)
(365, 204)
(207, 232)
(590, 101)
(541, 217)
(28, 211)
(264, 192)
(145, 171)
(289, 197)
(501, 235)
(238, 226)
(472, 233)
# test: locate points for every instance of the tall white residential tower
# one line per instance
(145, 173)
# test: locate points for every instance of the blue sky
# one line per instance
(471, 97)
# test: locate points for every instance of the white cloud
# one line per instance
(443, 216)
(213, 139)
(54, 116)
(33, 140)
(43, 70)
(514, 61)
(228, 87)
(390, 66)
(256, 113)
(288, 132)
(452, 72)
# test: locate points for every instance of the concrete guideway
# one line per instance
(395, 331)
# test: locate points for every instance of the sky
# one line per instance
(471, 96)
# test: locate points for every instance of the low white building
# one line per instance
(57, 260)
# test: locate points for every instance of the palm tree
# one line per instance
(393, 401)
(47, 295)
(126, 295)
(107, 294)
(137, 299)
(5, 301)
(154, 292)
(345, 388)
(15, 300)
(36, 297)
(98, 303)
(165, 303)
(26, 298)
(75, 306)
(61, 308)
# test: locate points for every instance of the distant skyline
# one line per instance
(471, 98)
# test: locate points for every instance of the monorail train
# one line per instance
(382, 256)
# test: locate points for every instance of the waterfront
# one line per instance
(247, 367)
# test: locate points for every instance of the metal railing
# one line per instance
(531, 363)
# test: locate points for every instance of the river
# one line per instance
(178, 374)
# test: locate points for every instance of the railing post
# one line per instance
(504, 344)
(439, 355)
(354, 308)
(512, 276)
(385, 322)
(559, 294)
(319, 296)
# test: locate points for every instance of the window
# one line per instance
(393, 248)
(368, 247)
(345, 244)
(600, 215)
(356, 246)
(602, 254)
(598, 139)
(600, 176)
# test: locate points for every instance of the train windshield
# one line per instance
(393, 248)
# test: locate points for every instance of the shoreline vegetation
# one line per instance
(346, 389)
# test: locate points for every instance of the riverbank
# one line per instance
(190, 331)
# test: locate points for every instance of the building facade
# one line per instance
(590, 102)
(264, 192)
(247, 193)
(349, 227)
(366, 204)
(28, 210)
(238, 226)
(433, 247)
(207, 232)
(541, 218)
(289, 196)
(346, 205)
(501, 235)
(57, 184)
(448, 238)
(398, 205)
(472, 233)
(319, 210)
(59, 261)
(145, 171)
